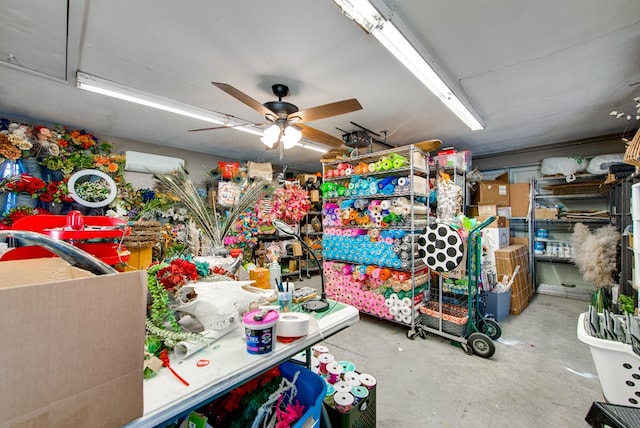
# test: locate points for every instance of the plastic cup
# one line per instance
(285, 299)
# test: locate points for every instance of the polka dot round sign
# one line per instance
(441, 248)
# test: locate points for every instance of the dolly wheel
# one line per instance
(491, 328)
(423, 334)
(481, 345)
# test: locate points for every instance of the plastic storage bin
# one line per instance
(311, 391)
(363, 414)
(498, 305)
(617, 365)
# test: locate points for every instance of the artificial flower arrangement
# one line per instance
(139, 204)
(56, 191)
(289, 203)
(14, 214)
(93, 191)
(26, 183)
(78, 149)
(244, 233)
(14, 140)
(109, 163)
(215, 223)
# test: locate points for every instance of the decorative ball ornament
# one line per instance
(441, 248)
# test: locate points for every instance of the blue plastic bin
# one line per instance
(498, 304)
(311, 391)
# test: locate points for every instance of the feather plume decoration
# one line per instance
(214, 225)
(596, 253)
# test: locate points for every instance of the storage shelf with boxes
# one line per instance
(506, 202)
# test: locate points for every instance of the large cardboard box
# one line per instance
(73, 345)
(519, 199)
(493, 192)
(507, 259)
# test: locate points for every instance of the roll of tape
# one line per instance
(292, 325)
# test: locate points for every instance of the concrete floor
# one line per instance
(541, 374)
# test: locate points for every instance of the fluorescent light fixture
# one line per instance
(312, 147)
(368, 17)
(111, 89)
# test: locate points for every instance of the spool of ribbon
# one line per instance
(343, 401)
(367, 381)
(324, 358)
(334, 370)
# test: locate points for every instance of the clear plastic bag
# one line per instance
(566, 166)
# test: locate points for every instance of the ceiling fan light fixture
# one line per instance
(271, 136)
(291, 136)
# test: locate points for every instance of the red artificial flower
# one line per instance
(26, 184)
(178, 273)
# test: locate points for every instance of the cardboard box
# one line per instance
(499, 222)
(493, 239)
(546, 213)
(519, 199)
(493, 192)
(304, 178)
(519, 240)
(507, 259)
(487, 209)
(73, 345)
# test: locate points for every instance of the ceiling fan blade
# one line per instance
(227, 127)
(244, 98)
(318, 136)
(328, 110)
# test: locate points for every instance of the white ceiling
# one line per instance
(536, 72)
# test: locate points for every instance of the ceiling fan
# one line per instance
(287, 120)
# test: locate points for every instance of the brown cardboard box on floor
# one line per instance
(73, 345)
(507, 259)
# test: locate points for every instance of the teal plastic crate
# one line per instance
(311, 391)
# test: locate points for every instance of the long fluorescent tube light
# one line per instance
(111, 89)
(368, 17)
(312, 147)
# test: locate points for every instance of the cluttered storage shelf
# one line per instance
(375, 205)
(558, 205)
